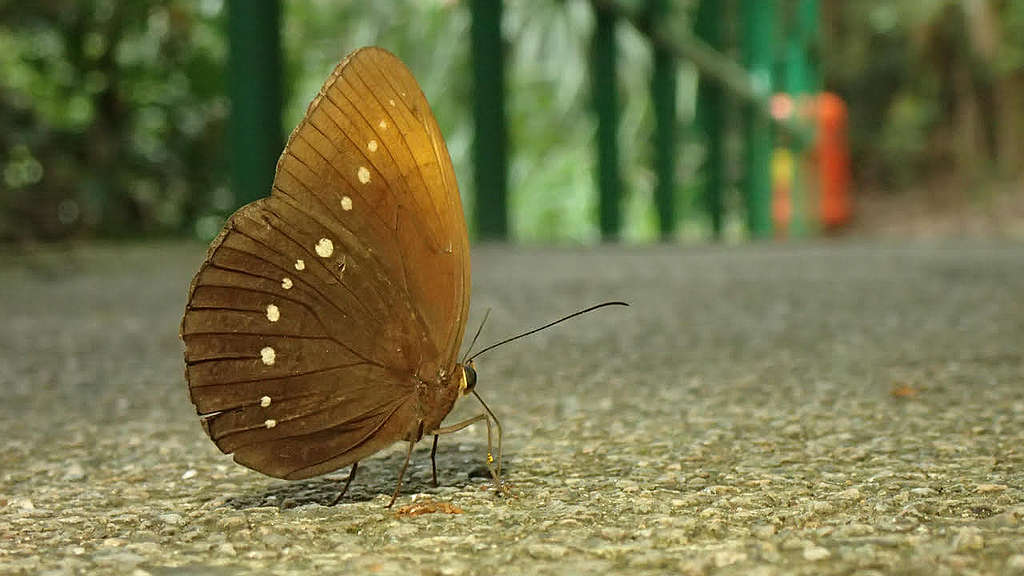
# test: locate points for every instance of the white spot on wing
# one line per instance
(286, 283)
(371, 145)
(300, 265)
(270, 423)
(324, 248)
(268, 355)
(265, 401)
(392, 102)
(364, 174)
(383, 125)
(346, 203)
(273, 312)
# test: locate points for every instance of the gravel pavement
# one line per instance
(820, 408)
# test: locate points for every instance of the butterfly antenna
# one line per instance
(477, 335)
(548, 325)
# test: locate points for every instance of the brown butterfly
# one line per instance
(325, 323)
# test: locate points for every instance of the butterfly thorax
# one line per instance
(438, 399)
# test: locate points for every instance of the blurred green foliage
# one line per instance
(935, 87)
(112, 113)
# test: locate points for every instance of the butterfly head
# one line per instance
(468, 381)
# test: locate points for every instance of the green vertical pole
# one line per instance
(758, 55)
(663, 94)
(605, 99)
(797, 72)
(792, 80)
(489, 138)
(254, 90)
(799, 81)
(809, 19)
(711, 116)
(809, 22)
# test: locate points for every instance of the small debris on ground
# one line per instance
(427, 507)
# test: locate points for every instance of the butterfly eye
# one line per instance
(470, 377)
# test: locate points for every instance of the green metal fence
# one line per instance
(255, 90)
(722, 82)
(776, 39)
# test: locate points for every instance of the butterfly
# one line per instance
(325, 322)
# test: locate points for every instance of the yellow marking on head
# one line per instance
(463, 384)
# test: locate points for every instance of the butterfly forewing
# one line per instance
(320, 308)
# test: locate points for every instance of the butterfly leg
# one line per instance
(458, 425)
(448, 430)
(401, 474)
(351, 477)
(495, 474)
(497, 424)
(433, 462)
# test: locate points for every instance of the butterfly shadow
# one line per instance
(456, 465)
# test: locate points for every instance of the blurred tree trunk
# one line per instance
(120, 214)
(983, 35)
(983, 103)
(1011, 123)
(1000, 89)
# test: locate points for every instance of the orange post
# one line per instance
(833, 161)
